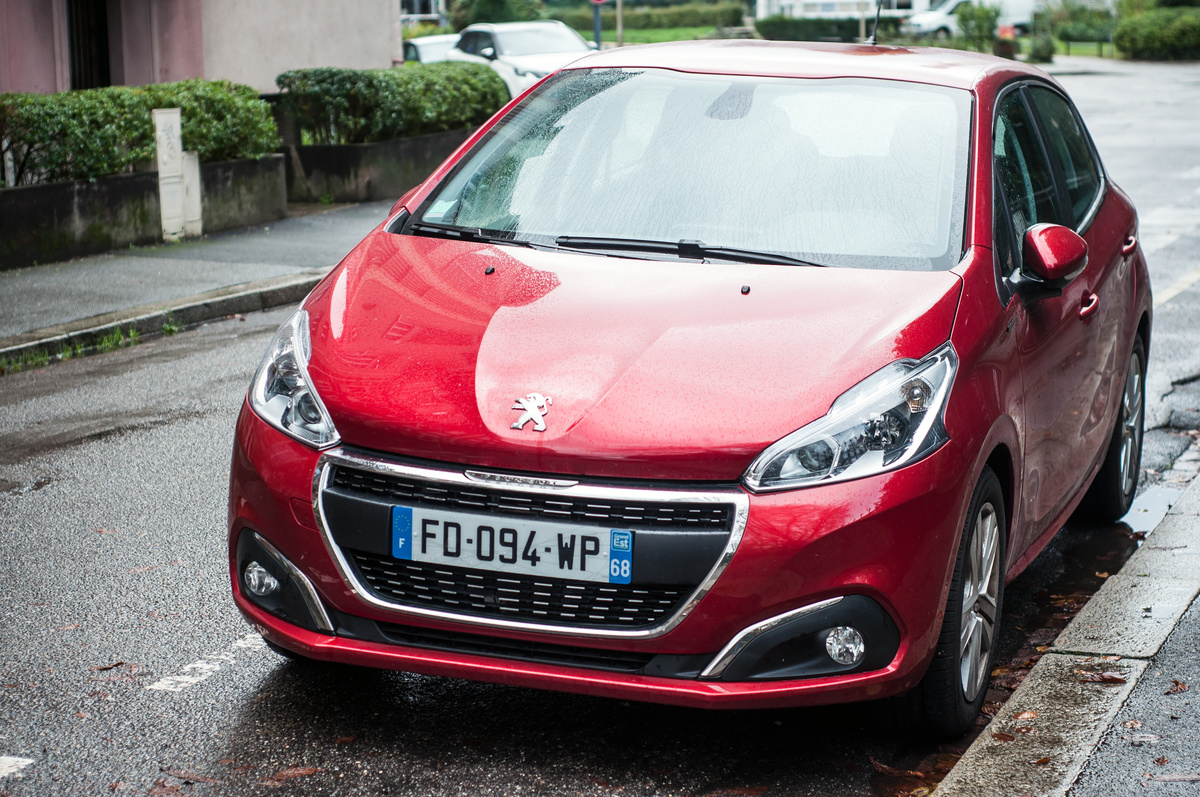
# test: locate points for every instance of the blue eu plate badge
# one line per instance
(402, 522)
(620, 557)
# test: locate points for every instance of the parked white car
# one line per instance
(429, 49)
(522, 53)
(940, 20)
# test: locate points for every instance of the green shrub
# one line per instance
(468, 12)
(1163, 34)
(1077, 21)
(349, 106)
(82, 135)
(689, 15)
(799, 29)
(1041, 51)
(977, 24)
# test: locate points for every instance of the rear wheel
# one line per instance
(952, 692)
(941, 34)
(1112, 492)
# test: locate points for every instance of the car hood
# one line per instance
(542, 63)
(664, 370)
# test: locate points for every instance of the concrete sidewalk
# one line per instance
(77, 302)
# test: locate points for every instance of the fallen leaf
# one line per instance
(184, 774)
(1102, 678)
(1177, 778)
(344, 739)
(1026, 715)
(70, 627)
(1042, 648)
(990, 708)
(107, 531)
(1132, 724)
(294, 772)
(1041, 762)
(1176, 687)
(999, 671)
(1162, 760)
(82, 715)
(118, 785)
(104, 667)
(226, 761)
(1101, 575)
(1025, 730)
(1003, 737)
(892, 771)
(161, 787)
(1138, 535)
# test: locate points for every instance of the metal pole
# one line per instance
(620, 26)
(596, 22)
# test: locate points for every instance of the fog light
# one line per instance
(262, 583)
(845, 645)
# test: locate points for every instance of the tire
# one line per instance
(1112, 491)
(952, 692)
(941, 34)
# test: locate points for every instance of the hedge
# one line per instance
(1163, 34)
(349, 106)
(690, 15)
(796, 29)
(82, 135)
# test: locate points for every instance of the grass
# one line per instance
(655, 35)
(27, 360)
(169, 326)
(118, 338)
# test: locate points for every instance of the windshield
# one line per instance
(853, 172)
(541, 39)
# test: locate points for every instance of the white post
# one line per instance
(169, 150)
(193, 206)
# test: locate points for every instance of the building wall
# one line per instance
(155, 41)
(252, 42)
(33, 46)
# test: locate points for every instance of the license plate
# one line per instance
(550, 549)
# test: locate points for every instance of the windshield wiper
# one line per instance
(685, 248)
(463, 233)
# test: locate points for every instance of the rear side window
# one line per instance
(1022, 168)
(1069, 148)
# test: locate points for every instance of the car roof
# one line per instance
(440, 38)
(933, 65)
(503, 26)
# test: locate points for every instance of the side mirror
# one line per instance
(593, 46)
(1053, 256)
(488, 53)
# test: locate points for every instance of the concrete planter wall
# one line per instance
(58, 221)
(363, 172)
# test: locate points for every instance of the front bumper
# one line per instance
(875, 554)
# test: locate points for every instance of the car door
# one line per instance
(1057, 344)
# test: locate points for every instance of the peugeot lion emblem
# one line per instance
(535, 407)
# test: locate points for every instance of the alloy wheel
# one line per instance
(981, 593)
(1131, 431)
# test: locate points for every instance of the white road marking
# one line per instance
(206, 667)
(1177, 287)
(11, 765)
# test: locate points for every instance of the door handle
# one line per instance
(1129, 245)
(1091, 303)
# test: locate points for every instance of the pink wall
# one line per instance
(150, 41)
(29, 57)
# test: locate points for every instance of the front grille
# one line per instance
(518, 597)
(541, 652)
(593, 511)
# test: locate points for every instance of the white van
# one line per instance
(940, 22)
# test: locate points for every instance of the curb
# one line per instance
(247, 297)
(1044, 735)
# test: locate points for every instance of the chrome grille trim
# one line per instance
(367, 462)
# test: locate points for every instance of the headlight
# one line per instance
(282, 393)
(890, 419)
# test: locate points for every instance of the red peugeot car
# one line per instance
(722, 374)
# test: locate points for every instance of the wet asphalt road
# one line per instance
(113, 579)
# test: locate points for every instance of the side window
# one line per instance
(1070, 151)
(410, 52)
(1021, 168)
(469, 43)
(485, 41)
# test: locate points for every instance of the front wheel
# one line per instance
(951, 694)
(1112, 492)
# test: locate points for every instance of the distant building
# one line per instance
(56, 45)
